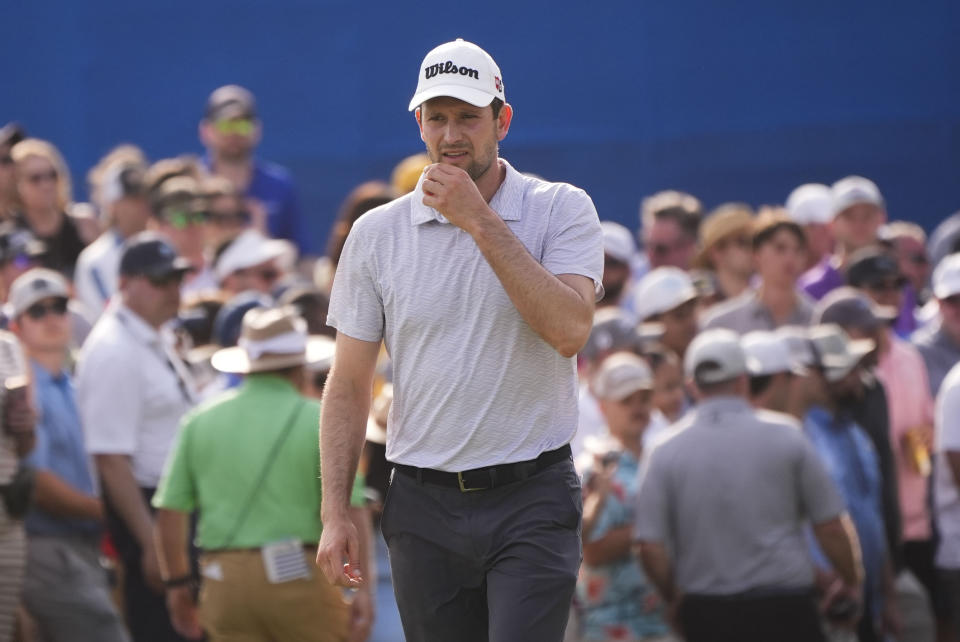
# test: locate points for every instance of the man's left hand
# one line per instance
(452, 192)
(183, 612)
(361, 616)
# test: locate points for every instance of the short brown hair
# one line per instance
(771, 220)
(685, 209)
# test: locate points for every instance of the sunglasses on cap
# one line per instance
(40, 309)
(235, 126)
(181, 219)
(40, 177)
(240, 217)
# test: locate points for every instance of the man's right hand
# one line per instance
(340, 541)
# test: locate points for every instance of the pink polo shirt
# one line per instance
(904, 376)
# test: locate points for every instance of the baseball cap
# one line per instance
(768, 353)
(849, 307)
(35, 285)
(613, 329)
(459, 69)
(663, 289)
(836, 353)
(797, 340)
(715, 356)
(252, 248)
(870, 265)
(620, 376)
(231, 101)
(854, 190)
(617, 241)
(811, 203)
(149, 254)
(946, 277)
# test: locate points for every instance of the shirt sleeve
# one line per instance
(818, 493)
(948, 412)
(652, 516)
(108, 397)
(39, 458)
(356, 306)
(574, 243)
(177, 490)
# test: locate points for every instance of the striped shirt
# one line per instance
(474, 385)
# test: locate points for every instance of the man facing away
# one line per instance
(720, 512)
(482, 284)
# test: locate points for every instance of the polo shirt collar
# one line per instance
(140, 329)
(506, 201)
(724, 404)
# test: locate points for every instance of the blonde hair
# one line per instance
(45, 150)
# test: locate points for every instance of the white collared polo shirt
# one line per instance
(474, 385)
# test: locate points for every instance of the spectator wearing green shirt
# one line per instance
(248, 463)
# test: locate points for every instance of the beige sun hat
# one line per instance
(271, 339)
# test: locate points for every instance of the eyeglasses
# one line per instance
(741, 241)
(164, 280)
(181, 219)
(240, 217)
(662, 249)
(40, 177)
(235, 127)
(39, 310)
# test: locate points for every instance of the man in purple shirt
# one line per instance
(231, 130)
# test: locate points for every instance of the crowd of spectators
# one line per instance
(783, 380)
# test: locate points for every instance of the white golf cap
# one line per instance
(811, 203)
(946, 277)
(252, 248)
(662, 289)
(620, 375)
(797, 339)
(715, 356)
(854, 190)
(768, 353)
(617, 241)
(459, 69)
(837, 354)
(33, 286)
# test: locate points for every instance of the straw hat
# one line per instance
(723, 223)
(271, 339)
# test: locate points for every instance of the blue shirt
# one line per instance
(617, 600)
(852, 462)
(59, 450)
(272, 185)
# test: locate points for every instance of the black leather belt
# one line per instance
(489, 476)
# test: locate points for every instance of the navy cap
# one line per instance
(151, 255)
(229, 320)
(850, 308)
(871, 265)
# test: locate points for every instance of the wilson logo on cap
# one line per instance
(449, 67)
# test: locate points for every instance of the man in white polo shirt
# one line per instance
(482, 284)
(132, 390)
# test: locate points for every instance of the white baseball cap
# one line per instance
(768, 353)
(621, 375)
(617, 241)
(459, 69)
(946, 277)
(836, 352)
(715, 356)
(662, 289)
(252, 248)
(854, 190)
(35, 285)
(797, 339)
(811, 203)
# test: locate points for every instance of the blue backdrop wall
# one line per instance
(737, 102)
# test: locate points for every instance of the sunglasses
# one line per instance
(39, 310)
(165, 280)
(181, 219)
(235, 127)
(743, 242)
(36, 179)
(232, 218)
(891, 285)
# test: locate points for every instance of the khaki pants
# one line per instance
(244, 607)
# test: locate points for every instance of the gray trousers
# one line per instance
(66, 592)
(497, 564)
